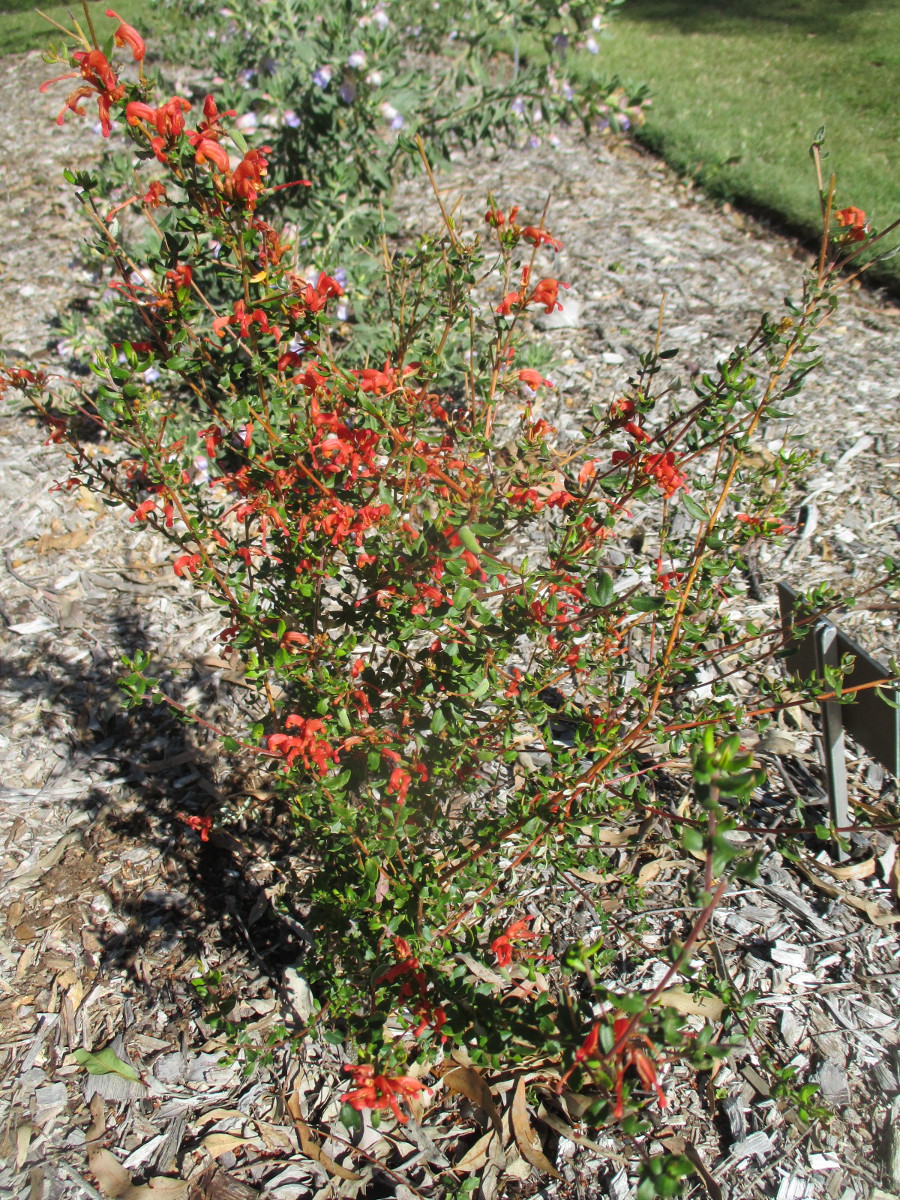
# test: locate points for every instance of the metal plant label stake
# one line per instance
(871, 720)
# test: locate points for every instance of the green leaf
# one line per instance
(646, 603)
(602, 592)
(105, 1062)
(697, 511)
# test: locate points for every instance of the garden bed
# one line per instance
(114, 904)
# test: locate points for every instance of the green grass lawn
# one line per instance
(22, 29)
(740, 88)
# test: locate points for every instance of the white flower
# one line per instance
(374, 79)
(592, 46)
(357, 60)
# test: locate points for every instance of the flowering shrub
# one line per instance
(339, 91)
(459, 667)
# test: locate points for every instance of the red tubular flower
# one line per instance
(502, 947)
(547, 293)
(127, 35)
(630, 1054)
(382, 1091)
(201, 825)
(637, 432)
(187, 564)
(540, 237)
(142, 511)
(854, 221)
(533, 379)
(207, 150)
(511, 299)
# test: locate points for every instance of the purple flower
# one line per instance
(322, 76)
(291, 119)
(518, 105)
(347, 92)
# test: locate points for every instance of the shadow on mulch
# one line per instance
(208, 891)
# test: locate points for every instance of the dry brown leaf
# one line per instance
(691, 1004)
(115, 1181)
(480, 971)
(615, 837)
(526, 1138)
(111, 1176)
(650, 870)
(857, 870)
(476, 1156)
(219, 1114)
(588, 876)
(469, 1083)
(23, 1141)
(311, 1147)
(49, 542)
(876, 914)
(217, 1144)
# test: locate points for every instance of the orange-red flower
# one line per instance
(382, 1091)
(313, 751)
(533, 379)
(201, 825)
(99, 79)
(539, 237)
(127, 35)
(630, 1054)
(854, 221)
(502, 947)
(547, 293)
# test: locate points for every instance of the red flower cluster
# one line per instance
(313, 751)
(628, 1055)
(854, 221)
(243, 320)
(99, 79)
(660, 467)
(315, 298)
(414, 988)
(545, 291)
(767, 526)
(503, 947)
(167, 120)
(382, 1091)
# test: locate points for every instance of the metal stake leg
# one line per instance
(833, 733)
